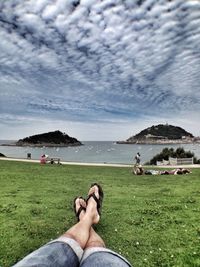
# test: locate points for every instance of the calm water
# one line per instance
(95, 152)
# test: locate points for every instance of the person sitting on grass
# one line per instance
(80, 245)
(138, 170)
(43, 159)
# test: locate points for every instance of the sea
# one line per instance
(95, 151)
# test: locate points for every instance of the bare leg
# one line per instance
(94, 240)
(81, 231)
(58, 252)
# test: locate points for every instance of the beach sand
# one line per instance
(101, 164)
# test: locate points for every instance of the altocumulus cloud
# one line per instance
(95, 61)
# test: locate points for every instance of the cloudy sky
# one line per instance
(98, 69)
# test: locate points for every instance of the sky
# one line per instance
(98, 69)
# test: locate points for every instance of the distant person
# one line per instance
(153, 172)
(137, 159)
(43, 159)
(138, 170)
(178, 171)
(80, 246)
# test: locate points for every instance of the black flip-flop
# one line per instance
(99, 200)
(78, 212)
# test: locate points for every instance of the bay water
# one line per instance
(95, 151)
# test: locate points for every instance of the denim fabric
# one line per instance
(101, 257)
(66, 252)
(55, 254)
(72, 243)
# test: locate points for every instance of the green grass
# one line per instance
(151, 220)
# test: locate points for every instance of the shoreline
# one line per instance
(117, 142)
(70, 162)
(43, 145)
(161, 142)
(193, 166)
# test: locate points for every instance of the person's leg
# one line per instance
(60, 254)
(81, 231)
(94, 240)
(101, 257)
(67, 250)
(96, 254)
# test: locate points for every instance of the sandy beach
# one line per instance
(100, 164)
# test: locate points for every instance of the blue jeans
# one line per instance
(66, 252)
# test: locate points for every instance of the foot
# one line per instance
(79, 207)
(92, 203)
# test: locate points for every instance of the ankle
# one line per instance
(92, 213)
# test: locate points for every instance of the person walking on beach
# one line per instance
(80, 245)
(137, 159)
(137, 168)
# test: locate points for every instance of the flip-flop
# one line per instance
(78, 212)
(98, 200)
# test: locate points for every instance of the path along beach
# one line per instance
(101, 164)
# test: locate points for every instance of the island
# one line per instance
(50, 139)
(162, 134)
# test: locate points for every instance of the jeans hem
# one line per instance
(72, 243)
(90, 251)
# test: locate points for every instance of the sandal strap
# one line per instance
(95, 198)
(101, 194)
(97, 201)
(79, 212)
(81, 208)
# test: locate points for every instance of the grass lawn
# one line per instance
(151, 220)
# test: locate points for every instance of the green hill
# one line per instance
(162, 131)
(56, 138)
(160, 134)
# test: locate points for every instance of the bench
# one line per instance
(176, 161)
(53, 160)
(181, 161)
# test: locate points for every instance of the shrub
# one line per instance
(170, 152)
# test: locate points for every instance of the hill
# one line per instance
(162, 133)
(56, 138)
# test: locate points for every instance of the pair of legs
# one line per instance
(83, 231)
(80, 245)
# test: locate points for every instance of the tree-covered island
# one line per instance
(50, 139)
(162, 134)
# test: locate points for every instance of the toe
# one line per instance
(94, 189)
(77, 204)
(79, 207)
(82, 202)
